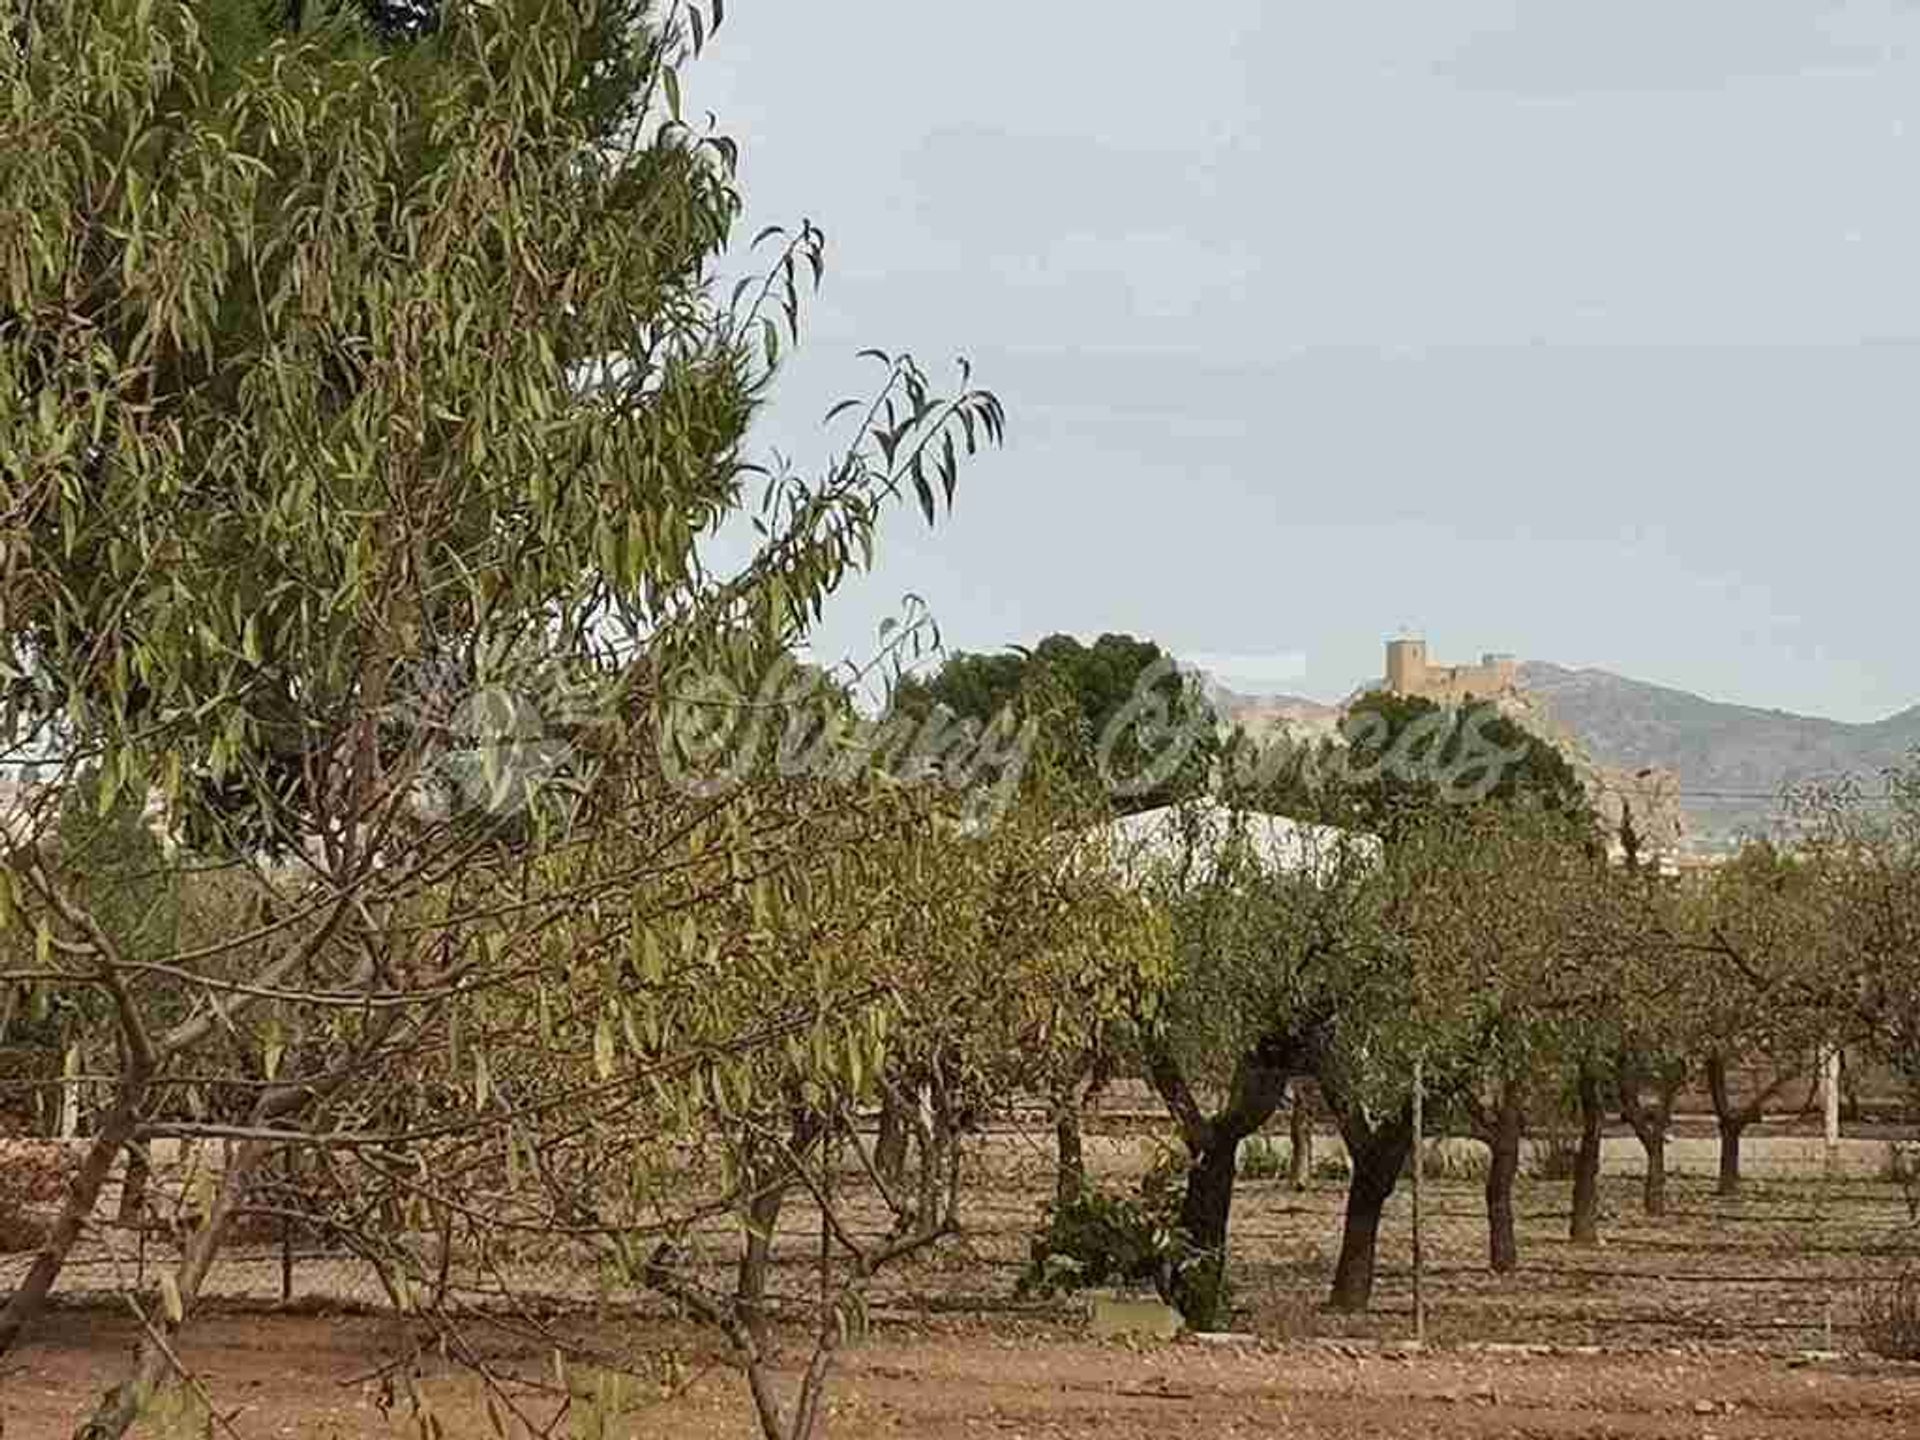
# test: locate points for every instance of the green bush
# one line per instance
(1102, 1238)
(1264, 1158)
(1334, 1165)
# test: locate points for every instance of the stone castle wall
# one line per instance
(1652, 796)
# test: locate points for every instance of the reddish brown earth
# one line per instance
(295, 1376)
(1692, 1325)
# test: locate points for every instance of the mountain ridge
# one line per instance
(1735, 762)
(1554, 671)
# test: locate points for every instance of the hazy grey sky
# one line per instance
(1583, 329)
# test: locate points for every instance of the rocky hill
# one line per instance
(1733, 760)
(1264, 716)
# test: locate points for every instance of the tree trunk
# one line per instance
(1300, 1136)
(83, 1192)
(1731, 1129)
(1259, 1088)
(1379, 1155)
(1503, 1167)
(774, 1179)
(756, 1257)
(1733, 1121)
(1070, 1165)
(1584, 1228)
(121, 1406)
(1653, 1190)
(1199, 1292)
(1650, 1123)
(890, 1143)
(133, 1187)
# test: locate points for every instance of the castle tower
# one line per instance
(1406, 666)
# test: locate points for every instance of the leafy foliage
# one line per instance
(1117, 715)
(364, 408)
(1103, 1238)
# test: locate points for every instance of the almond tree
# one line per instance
(1506, 971)
(991, 957)
(1427, 779)
(1116, 728)
(1270, 940)
(1650, 1077)
(361, 419)
(1864, 855)
(1757, 994)
(1656, 1037)
(615, 1109)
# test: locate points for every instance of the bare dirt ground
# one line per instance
(1699, 1324)
(296, 1376)
(1784, 1266)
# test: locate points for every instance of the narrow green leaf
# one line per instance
(603, 1048)
(170, 1303)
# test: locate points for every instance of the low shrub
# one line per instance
(1334, 1165)
(1105, 1238)
(1262, 1157)
(1890, 1317)
(1554, 1155)
(1449, 1160)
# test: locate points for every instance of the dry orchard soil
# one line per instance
(304, 1376)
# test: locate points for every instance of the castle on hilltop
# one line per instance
(1650, 797)
(1410, 672)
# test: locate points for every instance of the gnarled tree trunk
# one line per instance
(1502, 1129)
(1213, 1147)
(1584, 1227)
(1379, 1151)
(1200, 1291)
(1734, 1117)
(1650, 1119)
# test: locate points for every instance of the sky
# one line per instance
(1584, 331)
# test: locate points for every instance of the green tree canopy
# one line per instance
(1119, 713)
(341, 392)
(1399, 758)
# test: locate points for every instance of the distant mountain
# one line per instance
(1733, 761)
(1266, 715)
